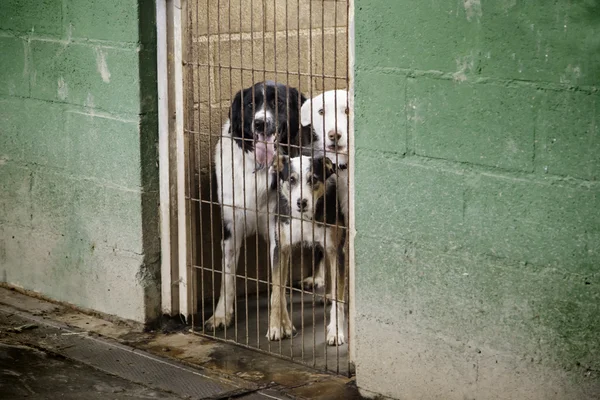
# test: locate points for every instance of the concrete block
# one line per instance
(105, 148)
(54, 202)
(491, 310)
(87, 75)
(15, 194)
(568, 136)
(147, 79)
(226, 87)
(426, 204)
(113, 218)
(12, 141)
(555, 44)
(36, 16)
(380, 112)
(426, 364)
(33, 131)
(259, 55)
(532, 222)
(307, 14)
(103, 20)
(14, 64)
(320, 85)
(329, 53)
(433, 36)
(477, 124)
(474, 287)
(99, 213)
(206, 127)
(73, 269)
(199, 73)
(234, 16)
(227, 16)
(148, 135)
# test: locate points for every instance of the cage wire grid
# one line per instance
(219, 37)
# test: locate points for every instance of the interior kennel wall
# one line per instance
(230, 45)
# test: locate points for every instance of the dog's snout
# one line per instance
(259, 125)
(334, 135)
(302, 204)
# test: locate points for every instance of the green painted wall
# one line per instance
(477, 199)
(78, 157)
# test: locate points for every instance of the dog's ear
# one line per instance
(323, 168)
(329, 168)
(305, 112)
(235, 113)
(279, 162)
(278, 170)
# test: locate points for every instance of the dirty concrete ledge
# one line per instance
(242, 370)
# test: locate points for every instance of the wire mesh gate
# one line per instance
(230, 45)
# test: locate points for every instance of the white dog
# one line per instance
(327, 113)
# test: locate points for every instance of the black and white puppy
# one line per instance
(262, 117)
(307, 215)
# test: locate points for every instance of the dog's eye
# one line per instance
(315, 179)
(321, 111)
(292, 180)
(347, 111)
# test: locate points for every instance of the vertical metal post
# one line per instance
(184, 303)
(167, 305)
(351, 189)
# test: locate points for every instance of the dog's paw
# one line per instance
(334, 339)
(218, 322)
(326, 299)
(281, 332)
(316, 283)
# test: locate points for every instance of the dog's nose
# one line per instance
(259, 125)
(334, 135)
(302, 204)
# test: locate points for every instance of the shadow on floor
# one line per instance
(308, 346)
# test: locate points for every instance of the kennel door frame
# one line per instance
(177, 289)
(185, 256)
(173, 210)
(163, 154)
(351, 188)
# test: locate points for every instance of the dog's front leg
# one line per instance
(337, 321)
(280, 324)
(316, 281)
(224, 310)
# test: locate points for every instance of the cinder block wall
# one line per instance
(78, 173)
(477, 199)
(233, 44)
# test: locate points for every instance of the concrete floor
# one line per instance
(26, 372)
(308, 346)
(78, 367)
(49, 351)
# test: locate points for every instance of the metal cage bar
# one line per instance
(225, 52)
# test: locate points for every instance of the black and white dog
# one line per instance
(262, 117)
(308, 214)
